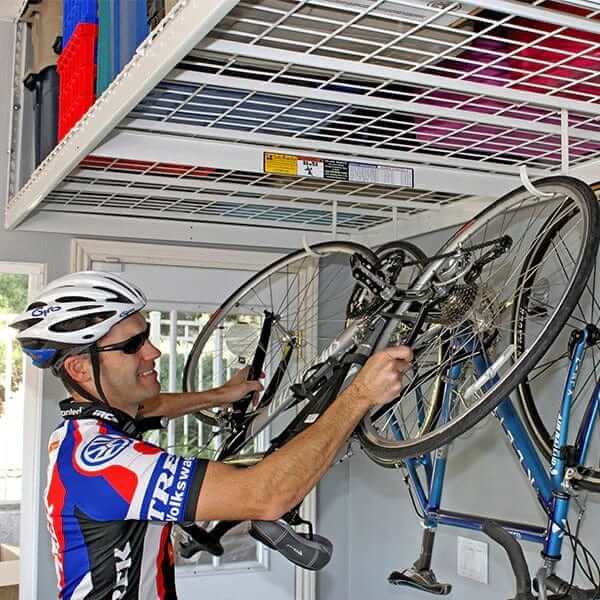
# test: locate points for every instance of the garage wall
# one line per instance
(364, 509)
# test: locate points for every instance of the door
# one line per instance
(181, 297)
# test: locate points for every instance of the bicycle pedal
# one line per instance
(421, 580)
(200, 540)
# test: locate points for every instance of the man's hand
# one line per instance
(240, 376)
(237, 387)
(380, 379)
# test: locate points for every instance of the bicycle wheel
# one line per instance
(467, 339)
(304, 293)
(538, 407)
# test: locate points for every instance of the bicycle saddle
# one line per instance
(311, 552)
(423, 580)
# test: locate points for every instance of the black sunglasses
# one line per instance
(130, 345)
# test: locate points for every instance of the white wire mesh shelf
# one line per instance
(116, 186)
(479, 87)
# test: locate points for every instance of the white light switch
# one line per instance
(472, 559)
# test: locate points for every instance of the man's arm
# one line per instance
(271, 488)
(179, 404)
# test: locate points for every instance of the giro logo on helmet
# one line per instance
(44, 312)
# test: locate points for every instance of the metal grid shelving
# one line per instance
(450, 90)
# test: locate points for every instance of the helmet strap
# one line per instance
(95, 357)
(78, 388)
(95, 360)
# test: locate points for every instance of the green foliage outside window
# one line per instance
(13, 299)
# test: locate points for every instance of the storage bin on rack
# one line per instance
(123, 26)
(45, 107)
(76, 12)
(105, 56)
(131, 29)
(77, 74)
(45, 18)
(157, 9)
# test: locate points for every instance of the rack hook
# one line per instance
(308, 249)
(529, 186)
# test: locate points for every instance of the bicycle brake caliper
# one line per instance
(368, 276)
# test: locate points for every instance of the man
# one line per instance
(111, 497)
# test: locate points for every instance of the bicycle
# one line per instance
(454, 309)
(556, 487)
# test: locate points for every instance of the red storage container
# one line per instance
(77, 72)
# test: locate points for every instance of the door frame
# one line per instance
(85, 251)
(31, 479)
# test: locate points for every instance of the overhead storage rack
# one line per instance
(362, 118)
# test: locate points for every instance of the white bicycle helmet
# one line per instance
(73, 312)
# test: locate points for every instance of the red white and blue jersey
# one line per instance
(111, 500)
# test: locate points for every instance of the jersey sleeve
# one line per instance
(121, 478)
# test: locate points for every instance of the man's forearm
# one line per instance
(295, 469)
(179, 404)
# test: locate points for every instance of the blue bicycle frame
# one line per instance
(547, 483)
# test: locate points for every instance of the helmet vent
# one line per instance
(22, 325)
(74, 299)
(116, 296)
(78, 308)
(79, 323)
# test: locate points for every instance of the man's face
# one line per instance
(128, 379)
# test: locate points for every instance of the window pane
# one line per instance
(13, 299)
(187, 436)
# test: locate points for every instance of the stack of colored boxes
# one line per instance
(77, 62)
(99, 38)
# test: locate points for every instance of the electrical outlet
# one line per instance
(472, 559)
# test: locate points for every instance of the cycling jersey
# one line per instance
(111, 500)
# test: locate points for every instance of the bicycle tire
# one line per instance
(390, 453)
(534, 418)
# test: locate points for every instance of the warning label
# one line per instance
(337, 170)
(311, 167)
(383, 175)
(281, 164)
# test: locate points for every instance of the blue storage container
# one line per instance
(131, 29)
(123, 26)
(75, 12)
